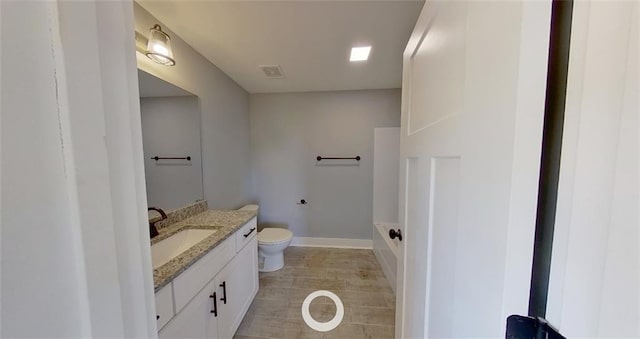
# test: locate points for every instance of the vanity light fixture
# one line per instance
(360, 53)
(159, 47)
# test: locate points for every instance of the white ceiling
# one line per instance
(150, 87)
(310, 39)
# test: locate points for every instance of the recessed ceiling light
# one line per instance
(360, 53)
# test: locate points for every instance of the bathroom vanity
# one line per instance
(204, 288)
(205, 263)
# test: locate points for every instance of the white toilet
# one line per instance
(271, 245)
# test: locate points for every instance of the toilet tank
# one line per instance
(249, 208)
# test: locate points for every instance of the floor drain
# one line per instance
(316, 325)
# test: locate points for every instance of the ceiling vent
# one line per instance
(272, 71)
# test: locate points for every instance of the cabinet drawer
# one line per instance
(246, 233)
(187, 284)
(164, 306)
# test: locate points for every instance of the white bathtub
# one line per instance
(386, 251)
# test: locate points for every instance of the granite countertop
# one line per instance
(226, 222)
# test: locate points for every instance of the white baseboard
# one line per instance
(386, 269)
(332, 242)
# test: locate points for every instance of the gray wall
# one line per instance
(225, 116)
(171, 128)
(289, 130)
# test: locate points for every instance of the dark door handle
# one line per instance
(224, 292)
(250, 231)
(395, 234)
(214, 310)
(157, 317)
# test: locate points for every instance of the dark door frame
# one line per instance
(557, 71)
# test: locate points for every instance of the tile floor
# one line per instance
(354, 275)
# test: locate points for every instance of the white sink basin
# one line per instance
(167, 249)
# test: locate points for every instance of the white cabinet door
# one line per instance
(164, 305)
(237, 285)
(196, 319)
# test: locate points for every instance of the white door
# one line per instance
(594, 288)
(473, 102)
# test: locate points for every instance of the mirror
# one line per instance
(171, 142)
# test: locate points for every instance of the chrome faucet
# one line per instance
(153, 231)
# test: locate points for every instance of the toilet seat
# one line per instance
(274, 236)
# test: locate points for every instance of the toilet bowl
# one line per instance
(271, 245)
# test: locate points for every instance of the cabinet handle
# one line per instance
(215, 304)
(157, 317)
(250, 231)
(224, 292)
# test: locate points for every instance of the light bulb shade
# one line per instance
(159, 47)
